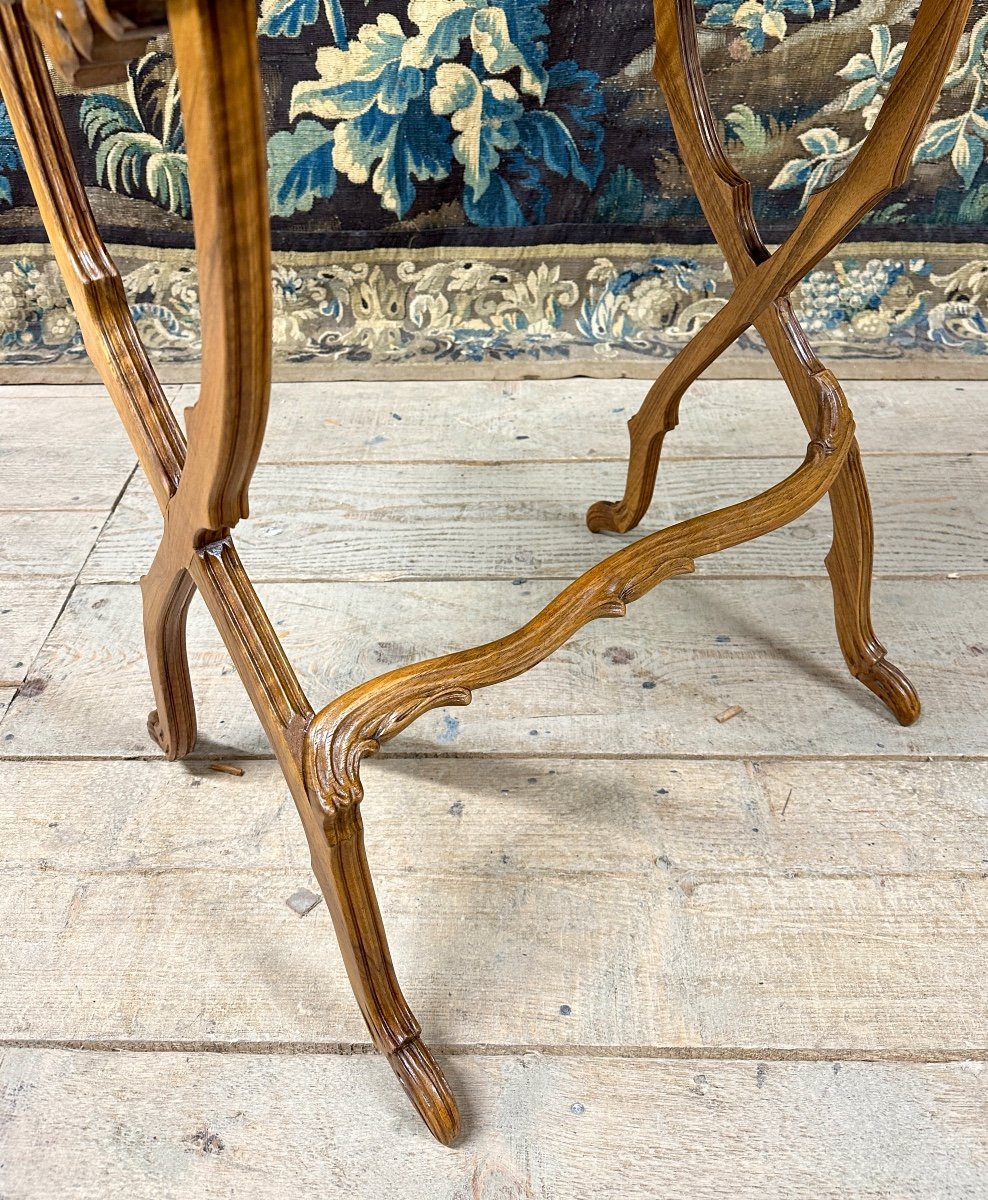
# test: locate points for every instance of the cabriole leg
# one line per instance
(202, 489)
(764, 282)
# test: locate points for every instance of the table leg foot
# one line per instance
(849, 565)
(336, 838)
(172, 723)
(426, 1087)
(647, 429)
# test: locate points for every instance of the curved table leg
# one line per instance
(203, 492)
(726, 200)
(763, 280)
(344, 876)
(114, 346)
(172, 722)
(849, 567)
(336, 839)
(216, 57)
(202, 488)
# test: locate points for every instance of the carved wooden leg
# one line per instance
(764, 281)
(340, 865)
(216, 56)
(726, 199)
(203, 492)
(335, 834)
(172, 723)
(849, 566)
(202, 489)
(113, 344)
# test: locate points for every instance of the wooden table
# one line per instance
(201, 479)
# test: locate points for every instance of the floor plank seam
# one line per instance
(590, 461)
(488, 1050)
(562, 580)
(678, 873)
(70, 591)
(199, 758)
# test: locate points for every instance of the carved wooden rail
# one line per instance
(201, 484)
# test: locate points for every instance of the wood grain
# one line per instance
(28, 611)
(91, 44)
(696, 938)
(579, 419)
(704, 644)
(510, 818)
(48, 544)
(91, 278)
(358, 723)
(438, 520)
(168, 1125)
(789, 965)
(201, 487)
(39, 425)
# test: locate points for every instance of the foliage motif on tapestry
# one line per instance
(139, 141)
(470, 89)
(10, 156)
(471, 112)
(759, 20)
(454, 309)
(959, 138)
(426, 125)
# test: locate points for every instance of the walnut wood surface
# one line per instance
(201, 486)
(725, 197)
(361, 721)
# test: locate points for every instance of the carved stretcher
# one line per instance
(201, 480)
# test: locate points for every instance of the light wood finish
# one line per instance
(684, 904)
(533, 820)
(578, 420)
(30, 608)
(90, 43)
(763, 282)
(346, 522)
(782, 967)
(658, 1130)
(207, 957)
(47, 544)
(201, 485)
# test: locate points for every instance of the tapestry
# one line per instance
(493, 187)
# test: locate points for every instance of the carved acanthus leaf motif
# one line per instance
(361, 721)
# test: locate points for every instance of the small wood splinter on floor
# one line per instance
(303, 901)
(734, 711)
(226, 768)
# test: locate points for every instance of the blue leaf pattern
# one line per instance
(404, 108)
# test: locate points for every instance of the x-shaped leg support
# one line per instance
(201, 486)
(763, 285)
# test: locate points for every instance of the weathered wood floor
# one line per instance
(661, 956)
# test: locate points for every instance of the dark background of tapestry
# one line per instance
(629, 185)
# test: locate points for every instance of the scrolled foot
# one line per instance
(607, 516)
(174, 748)
(426, 1087)
(156, 731)
(647, 429)
(892, 687)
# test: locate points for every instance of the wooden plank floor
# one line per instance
(660, 956)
